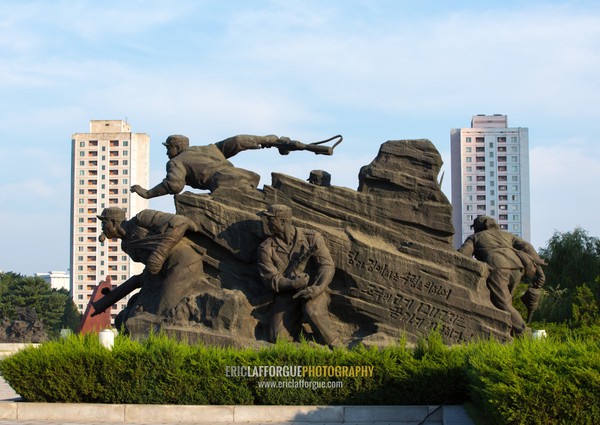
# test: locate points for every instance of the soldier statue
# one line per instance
(284, 262)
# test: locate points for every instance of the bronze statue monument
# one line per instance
(173, 262)
(207, 167)
(508, 257)
(332, 264)
(282, 265)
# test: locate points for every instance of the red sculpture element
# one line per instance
(100, 321)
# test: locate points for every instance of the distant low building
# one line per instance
(57, 280)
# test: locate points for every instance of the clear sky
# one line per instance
(372, 70)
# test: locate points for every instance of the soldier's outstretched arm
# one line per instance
(467, 248)
(158, 190)
(173, 183)
(236, 144)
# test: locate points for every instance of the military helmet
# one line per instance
(113, 213)
(278, 210)
(319, 178)
(177, 140)
(483, 222)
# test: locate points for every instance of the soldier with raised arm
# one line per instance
(206, 167)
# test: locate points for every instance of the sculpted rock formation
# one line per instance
(396, 271)
(27, 328)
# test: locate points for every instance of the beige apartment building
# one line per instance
(490, 176)
(105, 163)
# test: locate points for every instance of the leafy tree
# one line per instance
(17, 291)
(573, 259)
(585, 308)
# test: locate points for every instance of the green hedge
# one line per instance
(537, 382)
(548, 381)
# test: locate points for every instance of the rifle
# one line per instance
(286, 145)
(298, 261)
(112, 296)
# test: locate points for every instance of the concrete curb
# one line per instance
(129, 413)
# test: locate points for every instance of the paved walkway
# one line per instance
(6, 392)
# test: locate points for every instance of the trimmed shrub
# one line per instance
(161, 371)
(538, 381)
(547, 381)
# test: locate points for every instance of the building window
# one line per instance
(501, 139)
(479, 140)
(468, 140)
(468, 149)
(468, 159)
(479, 149)
(514, 159)
(480, 187)
(480, 159)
